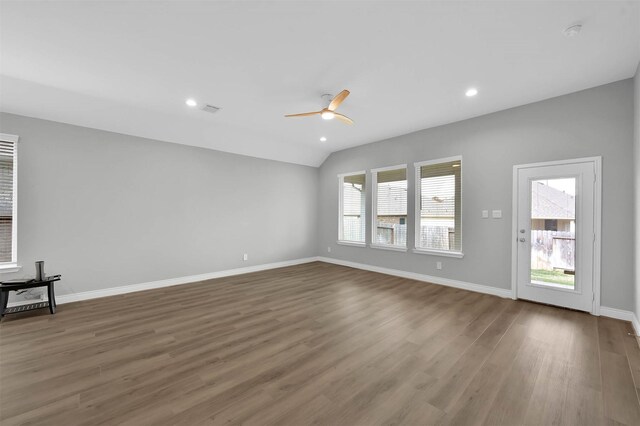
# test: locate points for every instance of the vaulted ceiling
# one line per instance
(128, 67)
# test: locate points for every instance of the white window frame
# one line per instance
(13, 265)
(418, 194)
(374, 207)
(341, 210)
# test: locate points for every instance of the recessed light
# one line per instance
(573, 30)
(471, 92)
(323, 139)
(191, 102)
(328, 115)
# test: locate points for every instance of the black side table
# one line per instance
(5, 288)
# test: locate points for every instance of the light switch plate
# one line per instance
(485, 214)
(496, 214)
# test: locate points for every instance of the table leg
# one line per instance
(52, 298)
(4, 299)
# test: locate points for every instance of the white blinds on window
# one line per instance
(391, 207)
(7, 157)
(439, 222)
(392, 193)
(353, 208)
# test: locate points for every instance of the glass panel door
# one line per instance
(555, 233)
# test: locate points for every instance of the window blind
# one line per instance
(353, 208)
(391, 208)
(439, 201)
(7, 158)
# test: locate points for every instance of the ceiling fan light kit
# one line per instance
(329, 112)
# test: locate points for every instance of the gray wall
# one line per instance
(107, 210)
(594, 122)
(636, 163)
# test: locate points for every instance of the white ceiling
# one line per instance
(129, 66)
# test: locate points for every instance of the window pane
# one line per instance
(553, 232)
(391, 202)
(353, 208)
(439, 222)
(6, 200)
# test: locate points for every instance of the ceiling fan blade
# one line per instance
(343, 118)
(337, 100)
(303, 114)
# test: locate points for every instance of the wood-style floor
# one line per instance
(316, 343)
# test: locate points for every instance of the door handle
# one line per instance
(522, 240)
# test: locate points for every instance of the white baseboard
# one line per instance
(622, 315)
(478, 288)
(94, 294)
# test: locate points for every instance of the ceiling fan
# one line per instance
(329, 112)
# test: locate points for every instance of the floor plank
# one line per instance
(316, 344)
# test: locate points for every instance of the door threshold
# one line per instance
(554, 306)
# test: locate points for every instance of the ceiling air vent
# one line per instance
(210, 108)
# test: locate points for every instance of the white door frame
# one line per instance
(597, 223)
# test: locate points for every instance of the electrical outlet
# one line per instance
(438, 265)
(496, 214)
(485, 214)
(328, 249)
(245, 257)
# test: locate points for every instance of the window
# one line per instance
(352, 208)
(8, 185)
(438, 206)
(390, 208)
(550, 224)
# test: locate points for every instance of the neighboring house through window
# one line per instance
(553, 227)
(389, 207)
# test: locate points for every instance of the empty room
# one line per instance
(319, 212)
